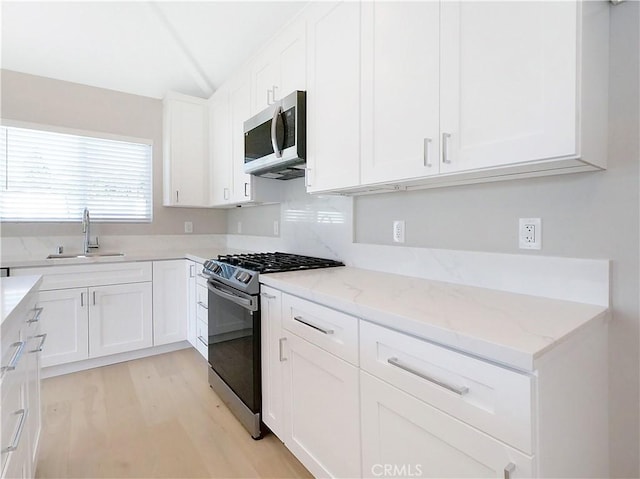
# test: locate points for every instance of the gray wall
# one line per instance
(588, 215)
(46, 101)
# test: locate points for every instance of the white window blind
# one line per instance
(50, 176)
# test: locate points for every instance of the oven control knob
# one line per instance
(216, 268)
(243, 277)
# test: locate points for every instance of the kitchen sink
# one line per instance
(82, 255)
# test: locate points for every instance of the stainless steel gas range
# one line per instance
(234, 326)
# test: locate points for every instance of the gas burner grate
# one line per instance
(277, 262)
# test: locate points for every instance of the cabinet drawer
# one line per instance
(327, 328)
(202, 336)
(494, 399)
(84, 275)
(201, 280)
(202, 296)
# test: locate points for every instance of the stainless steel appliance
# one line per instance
(275, 139)
(234, 327)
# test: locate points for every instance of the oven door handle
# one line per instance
(247, 303)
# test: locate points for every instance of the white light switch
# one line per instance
(188, 227)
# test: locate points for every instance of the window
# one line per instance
(50, 176)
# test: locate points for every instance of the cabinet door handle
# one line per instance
(307, 177)
(246, 185)
(18, 434)
(36, 317)
(300, 319)
(268, 100)
(268, 296)
(460, 390)
(509, 468)
(13, 363)
(177, 196)
(426, 156)
(281, 346)
(226, 193)
(445, 148)
(192, 271)
(94, 298)
(43, 338)
(82, 300)
(201, 339)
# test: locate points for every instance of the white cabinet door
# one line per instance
(333, 97)
(402, 435)
(322, 420)
(35, 343)
(240, 111)
(192, 304)
(170, 296)
(220, 148)
(508, 82)
(272, 358)
(280, 69)
(120, 318)
(400, 90)
(185, 151)
(65, 318)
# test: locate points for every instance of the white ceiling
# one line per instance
(144, 48)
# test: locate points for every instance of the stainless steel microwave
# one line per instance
(275, 139)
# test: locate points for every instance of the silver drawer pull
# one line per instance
(16, 357)
(36, 317)
(461, 390)
(200, 303)
(203, 341)
(300, 319)
(281, 344)
(43, 338)
(268, 296)
(445, 148)
(18, 434)
(509, 468)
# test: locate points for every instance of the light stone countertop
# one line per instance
(507, 328)
(195, 255)
(13, 292)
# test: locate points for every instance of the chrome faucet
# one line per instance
(86, 229)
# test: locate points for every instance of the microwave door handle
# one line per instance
(274, 138)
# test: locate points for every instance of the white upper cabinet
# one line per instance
(333, 99)
(454, 92)
(508, 83)
(239, 112)
(220, 148)
(400, 90)
(280, 68)
(185, 156)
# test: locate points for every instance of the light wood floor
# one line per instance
(153, 417)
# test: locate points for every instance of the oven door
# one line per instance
(234, 341)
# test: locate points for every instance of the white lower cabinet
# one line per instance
(322, 426)
(170, 296)
(88, 313)
(67, 324)
(403, 436)
(20, 415)
(272, 358)
(120, 319)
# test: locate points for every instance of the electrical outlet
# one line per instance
(239, 227)
(530, 233)
(398, 231)
(188, 227)
(276, 228)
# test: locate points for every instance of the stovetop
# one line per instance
(241, 271)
